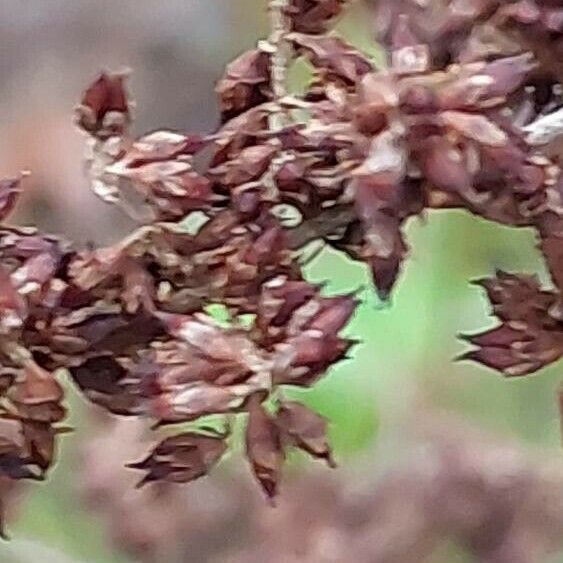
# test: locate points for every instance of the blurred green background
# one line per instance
(404, 361)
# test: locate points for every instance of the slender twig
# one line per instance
(281, 55)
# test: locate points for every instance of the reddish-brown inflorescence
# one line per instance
(469, 123)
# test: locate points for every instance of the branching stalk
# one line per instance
(281, 55)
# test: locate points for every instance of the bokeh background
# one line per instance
(399, 392)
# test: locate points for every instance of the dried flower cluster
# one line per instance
(466, 123)
(482, 122)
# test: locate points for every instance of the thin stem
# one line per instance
(281, 55)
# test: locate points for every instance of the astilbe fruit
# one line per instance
(358, 153)
(514, 176)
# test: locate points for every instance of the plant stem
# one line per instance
(281, 55)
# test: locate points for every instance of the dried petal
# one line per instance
(104, 109)
(333, 56)
(106, 382)
(313, 16)
(182, 458)
(529, 337)
(264, 448)
(246, 84)
(9, 193)
(476, 127)
(13, 308)
(194, 400)
(305, 429)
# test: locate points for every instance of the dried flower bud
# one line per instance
(182, 458)
(264, 447)
(104, 109)
(156, 172)
(13, 308)
(529, 337)
(9, 193)
(37, 396)
(304, 429)
(313, 16)
(333, 57)
(107, 383)
(246, 84)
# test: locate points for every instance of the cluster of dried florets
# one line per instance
(357, 154)
(30, 296)
(491, 125)
(469, 30)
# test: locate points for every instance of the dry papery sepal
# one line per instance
(358, 153)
